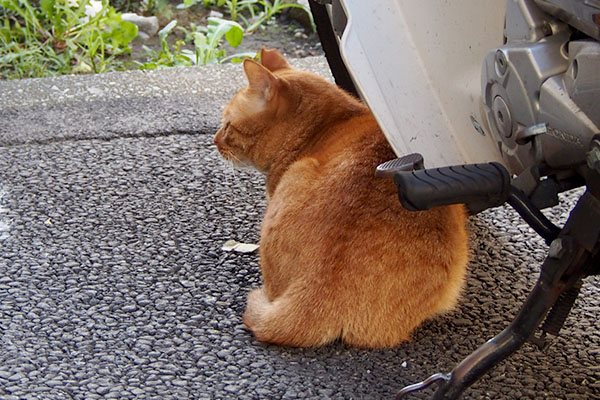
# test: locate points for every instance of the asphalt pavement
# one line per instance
(114, 206)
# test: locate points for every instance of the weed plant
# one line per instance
(253, 13)
(207, 45)
(59, 37)
(208, 40)
(270, 9)
(54, 37)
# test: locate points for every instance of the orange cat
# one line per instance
(340, 257)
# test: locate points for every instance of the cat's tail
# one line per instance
(293, 319)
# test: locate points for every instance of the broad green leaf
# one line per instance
(239, 57)
(221, 27)
(164, 32)
(190, 56)
(150, 65)
(199, 39)
(235, 35)
(129, 30)
(48, 7)
(185, 4)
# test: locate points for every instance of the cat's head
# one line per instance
(278, 111)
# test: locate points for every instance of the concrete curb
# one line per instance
(121, 104)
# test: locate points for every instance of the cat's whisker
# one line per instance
(238, 181)
(224, 163)
(231, 178)
(228, 175)
(235, 158)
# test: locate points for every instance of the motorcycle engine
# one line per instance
(541, 92)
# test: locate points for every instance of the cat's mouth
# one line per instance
(235, 160)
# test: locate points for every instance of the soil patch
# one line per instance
(284, 33)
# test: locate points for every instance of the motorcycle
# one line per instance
(501, 100)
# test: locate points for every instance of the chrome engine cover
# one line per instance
(583, 15)
(541, 76)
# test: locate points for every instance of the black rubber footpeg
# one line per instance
(405, 163)
(478, 186)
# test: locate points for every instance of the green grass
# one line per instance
(61, 37)
(55, 37)
(207, 42)
(253, 13)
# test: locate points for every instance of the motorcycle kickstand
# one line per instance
(572, 256)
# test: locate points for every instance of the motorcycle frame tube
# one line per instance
(331, 47)
(417, 64)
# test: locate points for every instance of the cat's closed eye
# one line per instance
(236, 130)
(221, 134)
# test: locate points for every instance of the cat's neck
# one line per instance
(329, 132)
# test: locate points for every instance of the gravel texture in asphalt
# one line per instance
(113, 283)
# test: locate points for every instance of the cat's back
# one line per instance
(347, 163)
(357, 143)
(338, 182)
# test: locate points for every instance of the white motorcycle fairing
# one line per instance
(426, 96)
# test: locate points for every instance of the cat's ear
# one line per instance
(273, 60)
(260, 79)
